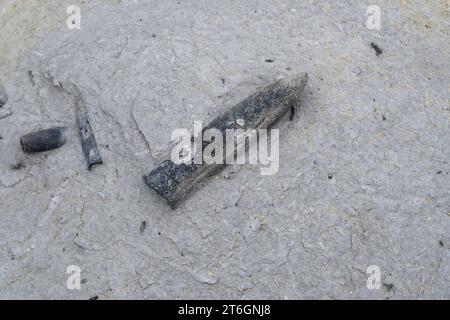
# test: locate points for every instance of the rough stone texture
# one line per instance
(363, 176)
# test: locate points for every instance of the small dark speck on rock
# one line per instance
(3, 96)
(377, 49)
(17, 165)
(292, 116)
(153, 35)
(441, 243)
(93, 298)
(388, 286)
(439, 172)
(269, 60)
(383, 117)
(143, 226)
(223, 80)
(330, 176)
(159, 233)
(84, 281)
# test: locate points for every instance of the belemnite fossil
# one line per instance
(87, 137)
(43, 140)
(174, 181)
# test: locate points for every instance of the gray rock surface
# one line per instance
(363, 176)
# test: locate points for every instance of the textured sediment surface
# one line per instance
(363, 177)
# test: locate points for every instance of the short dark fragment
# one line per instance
(93, 298)
(143, 226)
(270, 60)
(260, 110)
(31, 76)
(292, 115)
(441, 243)
(377, 49)
(388, 286)
(17, 165)
(44, 140)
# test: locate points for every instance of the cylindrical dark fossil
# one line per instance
(87, 138)
(44, 140)
(258, 111)
(88, 143)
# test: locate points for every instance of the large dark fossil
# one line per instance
(258, 111)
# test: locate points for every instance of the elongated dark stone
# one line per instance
(87, 138)
(88, 143)
(258, 111)
(44, 140)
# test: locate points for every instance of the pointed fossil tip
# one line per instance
(295, 84)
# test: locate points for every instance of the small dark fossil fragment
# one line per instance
(3, 96)
(143, 226)
(388, 286)
(377, 49)
(258, 111)
(17, 165)
(292, 115)
(44, 140)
